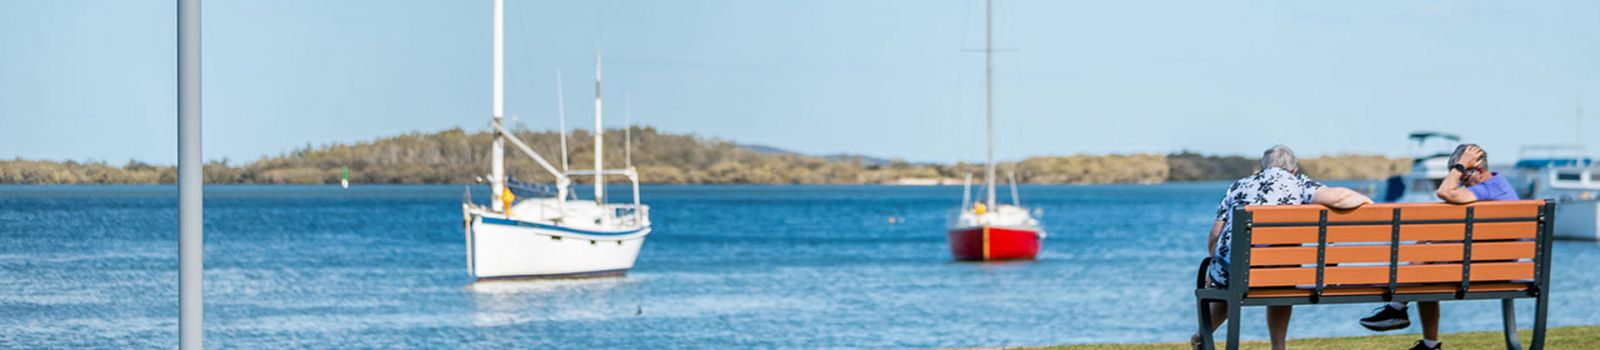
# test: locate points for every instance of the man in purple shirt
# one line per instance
(1469, 181)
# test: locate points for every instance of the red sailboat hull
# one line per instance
(988, 243)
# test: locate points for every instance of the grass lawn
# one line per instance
(1579, 337)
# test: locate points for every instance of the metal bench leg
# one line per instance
(1206, 342)
(1233, 324)
(1508, 311)
(1541, 311)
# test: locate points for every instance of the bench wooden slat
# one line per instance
(1298, 276)
(1485, 231)
(1385, 212)
(1423, 289)
(1481, 251)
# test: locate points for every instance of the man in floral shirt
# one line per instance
(1278, 183)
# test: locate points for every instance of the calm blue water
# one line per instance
(727, 267)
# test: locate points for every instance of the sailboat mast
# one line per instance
(564, 185)
(627, 134)
(498, 167)
(561, 111)
(599, 146)
(989, 96)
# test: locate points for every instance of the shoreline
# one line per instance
(456, 156)
(1568, 337)
(684, 184)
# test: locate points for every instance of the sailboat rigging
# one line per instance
(989, 231)
(553, 236)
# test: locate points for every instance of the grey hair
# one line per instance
(1455, 157)
(1279, 156)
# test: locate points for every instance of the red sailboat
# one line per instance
(988, 231)
(985, 231)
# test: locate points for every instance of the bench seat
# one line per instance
(1379, 290)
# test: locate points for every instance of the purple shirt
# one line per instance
(1496, 188)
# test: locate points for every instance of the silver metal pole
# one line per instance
(191, 307)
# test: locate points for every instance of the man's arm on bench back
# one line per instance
(1339, 198)
(1333, 197)
(1451, 190)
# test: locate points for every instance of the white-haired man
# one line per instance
(1278, 183)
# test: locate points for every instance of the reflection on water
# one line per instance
(544, 287)
(508, 302)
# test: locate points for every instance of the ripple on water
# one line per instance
(727, 267)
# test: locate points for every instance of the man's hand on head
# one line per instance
(1471, 158)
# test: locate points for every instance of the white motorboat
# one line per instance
(1429, 165)
(1565, 174)
(554, 236)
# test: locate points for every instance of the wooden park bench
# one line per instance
(1309, 254)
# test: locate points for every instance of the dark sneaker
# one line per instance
(1386, 318)
(1421, 345)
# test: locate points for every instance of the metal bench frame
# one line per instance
(1236, 296)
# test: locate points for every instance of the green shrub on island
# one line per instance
(456, 156)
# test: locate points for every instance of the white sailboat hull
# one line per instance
(503, 248)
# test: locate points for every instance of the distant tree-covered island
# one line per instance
(457, 156)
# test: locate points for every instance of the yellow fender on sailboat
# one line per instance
(506, 197)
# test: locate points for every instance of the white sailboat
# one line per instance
(558, 236)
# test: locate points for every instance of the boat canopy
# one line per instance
(1421, 136)
(1540, 163)
(1431, 144)
(1553, 156)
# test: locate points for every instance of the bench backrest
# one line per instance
(1390, 245)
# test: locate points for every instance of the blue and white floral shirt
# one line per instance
(1272, 186)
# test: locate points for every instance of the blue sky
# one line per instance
(94, 79)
